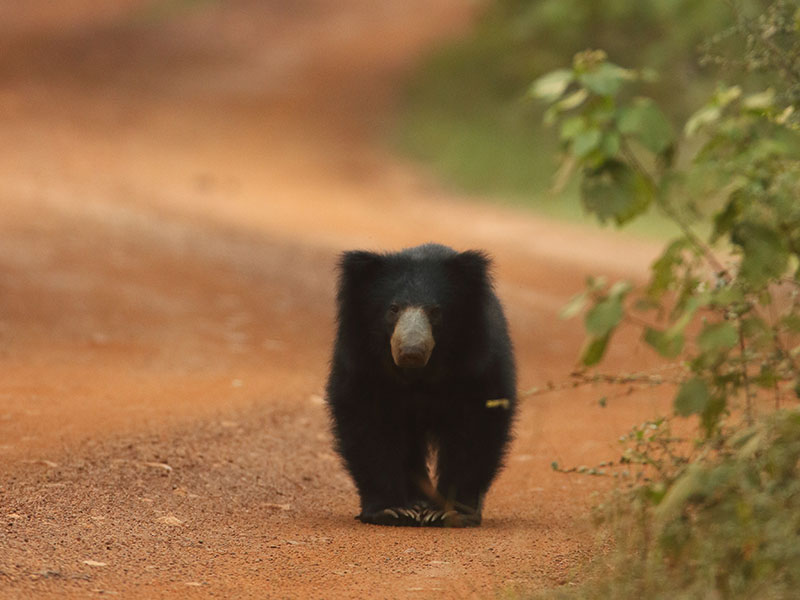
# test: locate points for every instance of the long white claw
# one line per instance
(432, 516)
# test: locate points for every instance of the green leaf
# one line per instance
(610, 145)
(692, 304)
(727, 94)
(586, 142)
(765, 255)
(551, 115)
(757, 331)
(604, 316)
(574, 306)
(615, 191)
(760, 101)
(767, 378)
(712, 112)
(574, 100)
(717, 337)
(596, 283)
(726, 219)
(620, 289)
(663, 269)
(693, 398)
(726, 295)
(606, 78)
(644, 121)
(550, 87)
(701, 118)
(687, 485)
(668, 345)
(594, 350)
(572, 126)
(710, 417)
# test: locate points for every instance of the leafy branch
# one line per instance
(718, 514)
(622, 148)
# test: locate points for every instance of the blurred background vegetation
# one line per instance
(467, 114)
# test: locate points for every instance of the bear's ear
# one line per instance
(359, 266)
(473, 268)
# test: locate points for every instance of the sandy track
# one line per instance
(172, 203)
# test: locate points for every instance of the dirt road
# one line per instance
(174, 189)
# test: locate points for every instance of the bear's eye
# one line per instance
(394, 309)
(434, 312)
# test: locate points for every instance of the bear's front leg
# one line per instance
(471, 451)
(374, 447)
(418, 511)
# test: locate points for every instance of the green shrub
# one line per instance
(717, 516)
(727, 527)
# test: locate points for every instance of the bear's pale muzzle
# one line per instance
(412, 339)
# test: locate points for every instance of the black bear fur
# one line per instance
(461, 403)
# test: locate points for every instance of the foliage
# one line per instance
(717, 516)
(465, 115)
(727, 527)
(729, 304)
(665, 33)
(731, 522)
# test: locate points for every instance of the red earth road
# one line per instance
(174, 192)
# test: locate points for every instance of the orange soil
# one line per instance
(173, 196)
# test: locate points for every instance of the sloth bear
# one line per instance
(422, 363)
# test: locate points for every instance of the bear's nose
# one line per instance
(412, 357)
(412, 339)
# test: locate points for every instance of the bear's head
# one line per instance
(414, 309)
